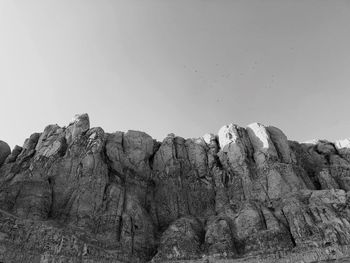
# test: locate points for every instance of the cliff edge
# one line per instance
(79, 194)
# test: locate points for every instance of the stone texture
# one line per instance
(183, 179)
(181, 240)
(281, 144)
(219, 237)
(315, 218)
(13, 156)
(131, 150)
(79, 194)
(264, 149)
(79, 124)
(4, 151)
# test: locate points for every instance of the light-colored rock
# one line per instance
(234, 141)
(264, 149)
(236, 157)
(52, 142)
(79, 125)
(343, 147)
(209, 139)
(344, 143)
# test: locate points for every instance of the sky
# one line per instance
(186, 67)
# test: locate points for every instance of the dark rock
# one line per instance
(182, 240)
(183, 180)
(219, 238)
(13, 156)
(4, 151)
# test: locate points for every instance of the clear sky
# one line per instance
(186, 67)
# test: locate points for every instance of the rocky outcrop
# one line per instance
(4, 151)
(79, 194)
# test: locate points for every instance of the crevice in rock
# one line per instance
(156, 146)
(328, 159)
(278, 151)
(112, 173)
(123, 142)
(263, 219)
(120, 211)
(175, 148)
(63, 148)
(288, 229)
(149, 198)
(313, 175)
(216, 138)
(201, 236)
(218, 162)
(132, 230)
(51, 183)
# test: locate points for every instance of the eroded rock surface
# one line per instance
(79, 194)
(4, 151)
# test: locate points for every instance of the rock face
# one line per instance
(4, 151)
(79, 194)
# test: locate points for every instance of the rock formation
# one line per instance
(79, 194)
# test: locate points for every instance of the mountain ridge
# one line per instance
(79, 194)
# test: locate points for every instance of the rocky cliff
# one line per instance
(79, 194)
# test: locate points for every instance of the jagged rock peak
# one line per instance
(81, 119)
(79, 124)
